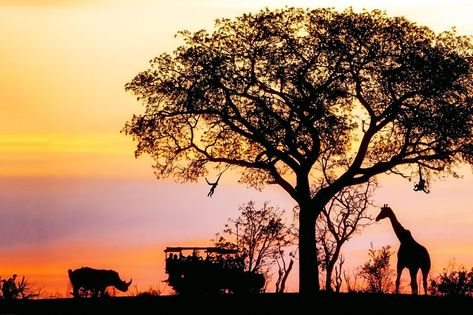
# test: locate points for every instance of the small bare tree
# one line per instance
(264, 238)
(352, 280)
(345, 215)
(285, 265)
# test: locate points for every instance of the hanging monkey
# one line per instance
(214, 185)
(421, 186)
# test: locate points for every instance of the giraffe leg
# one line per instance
(425, 273)
(398, 277)
(413, 273)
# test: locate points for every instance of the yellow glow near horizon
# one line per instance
(71, 155)
(65, 143)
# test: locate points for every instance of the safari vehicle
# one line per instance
(209, 270)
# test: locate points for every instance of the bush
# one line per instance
(377, 272)
(453, 282)
(17, 289)
(150, 292)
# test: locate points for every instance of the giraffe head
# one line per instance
(386, 211)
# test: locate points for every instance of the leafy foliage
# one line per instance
(277, 89)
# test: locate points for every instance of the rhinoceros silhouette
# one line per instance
(87, 281)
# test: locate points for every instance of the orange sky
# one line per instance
(72, 192)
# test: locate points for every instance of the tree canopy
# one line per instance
(298, 97)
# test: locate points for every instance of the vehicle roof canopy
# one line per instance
(218, 250)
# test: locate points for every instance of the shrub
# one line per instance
(453, 282)
(377, 272)
(17, 289)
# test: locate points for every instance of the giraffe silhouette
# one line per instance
(411, 255)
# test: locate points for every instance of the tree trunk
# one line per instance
(308, 266)
(330, 266)
(328, 278)
(286, 274)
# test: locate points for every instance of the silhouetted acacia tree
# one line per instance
(344, 215)
(272, 93)
(264, 238)
(377, 270)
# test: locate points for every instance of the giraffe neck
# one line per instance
(398, 228)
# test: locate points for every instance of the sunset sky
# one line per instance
(71, 192)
